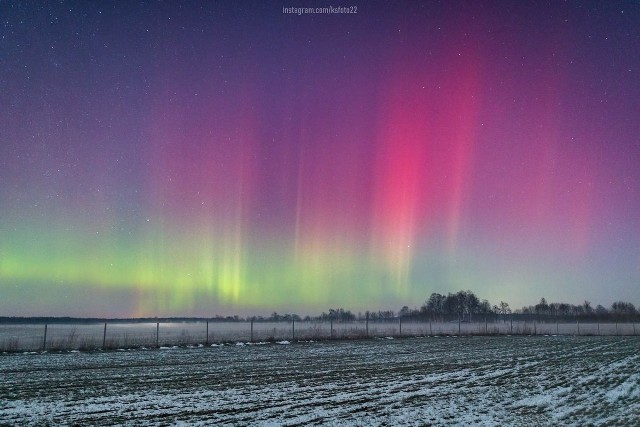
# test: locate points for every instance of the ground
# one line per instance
(412, 381)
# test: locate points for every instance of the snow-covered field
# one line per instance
(505, 380)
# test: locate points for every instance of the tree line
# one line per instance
(619, 310)
(467, 307)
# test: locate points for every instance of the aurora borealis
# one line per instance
(224, 157)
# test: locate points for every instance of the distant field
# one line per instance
(31, 337)
(543, 380)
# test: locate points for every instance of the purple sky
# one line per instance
(225, 157)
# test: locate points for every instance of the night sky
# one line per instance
(224, 157)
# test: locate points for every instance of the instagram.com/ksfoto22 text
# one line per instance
(320, 10)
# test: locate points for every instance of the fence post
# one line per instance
(557, 328)
(44, 340)
(400, 326)
(104, 336)
(206, 341)
(430, 330)
(535, 328)
(578, 323)
(158, 334)
(366, 325)
(511, 330)
(331, 326)
(293, 329)
(251, 340)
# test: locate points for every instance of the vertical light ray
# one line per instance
(462, 121)
(202, 184)
(399, 189)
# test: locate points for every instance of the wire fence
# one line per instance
(121, 335)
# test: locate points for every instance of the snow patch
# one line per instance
(630, 389)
